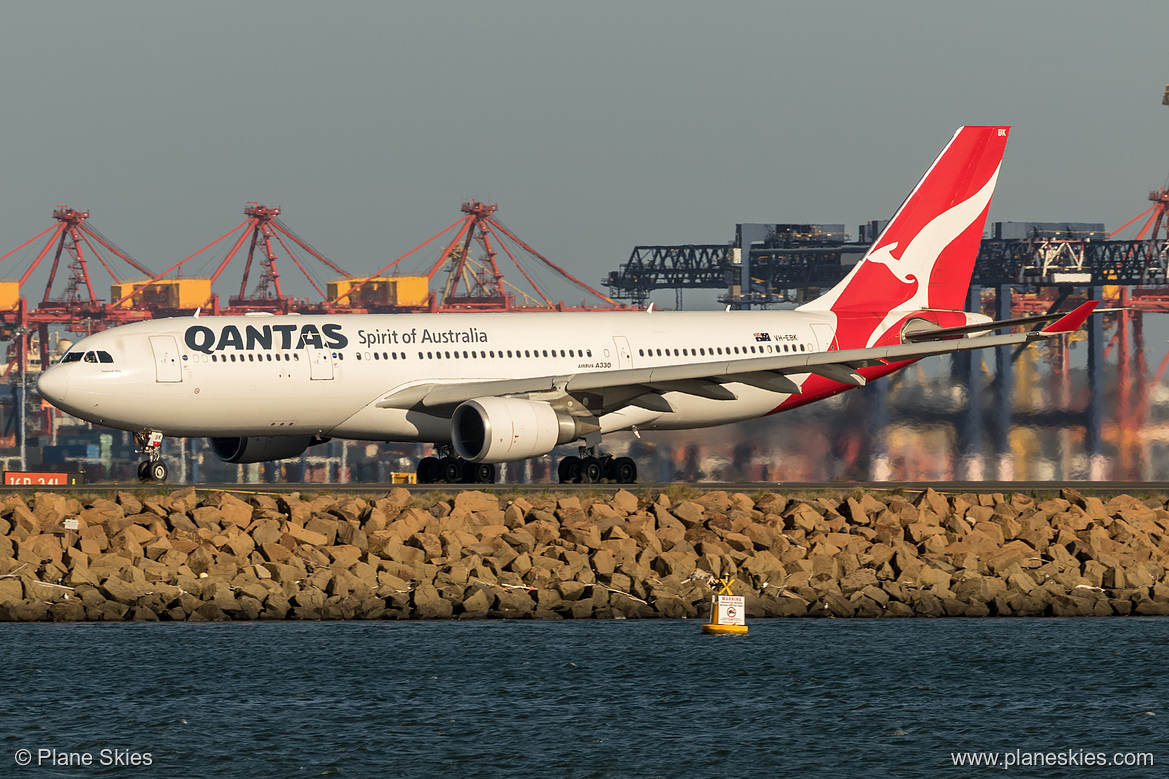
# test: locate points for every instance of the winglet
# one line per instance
(1072, 320)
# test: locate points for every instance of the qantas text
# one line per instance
(205, 340)
(328, 336)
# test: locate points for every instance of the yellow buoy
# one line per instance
(728, 612)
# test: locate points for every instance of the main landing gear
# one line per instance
(592, 467)
(152, 468)
(449, 469)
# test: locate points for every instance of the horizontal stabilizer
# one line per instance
(1064, 323)
(1074, 319)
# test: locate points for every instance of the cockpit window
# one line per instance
(99, 356)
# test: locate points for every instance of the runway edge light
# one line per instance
(728, 612)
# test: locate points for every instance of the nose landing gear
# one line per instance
(153, 468)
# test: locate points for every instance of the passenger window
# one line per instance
(590, 352)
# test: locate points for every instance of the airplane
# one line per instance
(488, 388)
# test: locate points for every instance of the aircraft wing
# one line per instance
(644, 387)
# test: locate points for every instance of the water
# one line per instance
(582, 699)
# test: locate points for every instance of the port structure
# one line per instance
(469, 255)
(790, 265)
(263, 232)
(72, 241)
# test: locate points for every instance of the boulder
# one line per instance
(472, 501)
(304, 535)
(428, 604)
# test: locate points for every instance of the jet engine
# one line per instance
(496, 430)
(257, 449)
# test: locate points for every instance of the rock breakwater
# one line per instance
(219, 556)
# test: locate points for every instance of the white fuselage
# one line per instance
(324, 375)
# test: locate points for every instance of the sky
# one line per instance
(594, 126)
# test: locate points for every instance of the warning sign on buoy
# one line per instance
(728, 612)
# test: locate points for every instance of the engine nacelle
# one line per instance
(258, 449)
(497, 430)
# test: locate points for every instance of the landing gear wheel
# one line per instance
(450, 470)
(480, 473)
(157, 470)
(144, 470)
(591, 470)
(569, 470)
(427, 470)
(624, 470)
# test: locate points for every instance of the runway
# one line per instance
(1096, 488)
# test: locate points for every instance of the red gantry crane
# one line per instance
(267, 233)
(474, 280)
(71, 241)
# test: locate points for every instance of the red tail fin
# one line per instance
(925, 256)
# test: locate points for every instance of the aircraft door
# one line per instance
(624, 355)
(825, 335)
(320, 363)
(166, 359)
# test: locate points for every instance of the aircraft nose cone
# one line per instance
(53, 385)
